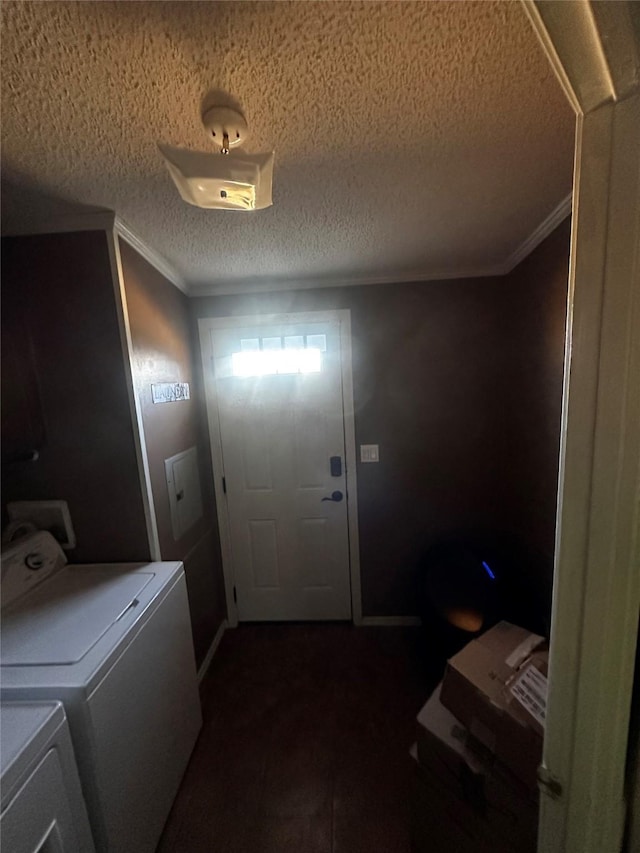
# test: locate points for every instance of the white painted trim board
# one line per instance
(150, 255)
(546, 227)
(213, 648)
(137, 421)
(596, 581)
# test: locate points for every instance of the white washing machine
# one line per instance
(113, 643)
(42, 807)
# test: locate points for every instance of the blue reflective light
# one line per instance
(488, 571)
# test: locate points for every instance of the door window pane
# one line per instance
(294, 342)
(318, 342)
(249, 344)
(271, 343)
(273, 362)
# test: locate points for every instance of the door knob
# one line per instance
(335, 496)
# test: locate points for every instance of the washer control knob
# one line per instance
(35, 560)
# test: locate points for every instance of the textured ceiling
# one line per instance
(411, 138)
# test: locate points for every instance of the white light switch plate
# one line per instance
(369, 453)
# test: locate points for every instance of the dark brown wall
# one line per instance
(537, 297)
(436, 368)
(57, 289)
(162, 350)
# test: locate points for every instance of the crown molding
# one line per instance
(254, 285)
(107, 220)
(549, 224)
(150, 255)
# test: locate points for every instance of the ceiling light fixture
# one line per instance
(222, 181)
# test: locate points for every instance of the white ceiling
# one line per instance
(412, 139)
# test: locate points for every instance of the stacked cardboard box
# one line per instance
(478, 748)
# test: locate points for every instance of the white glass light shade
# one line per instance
(221, 181)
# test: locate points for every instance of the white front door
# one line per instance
(279, 400)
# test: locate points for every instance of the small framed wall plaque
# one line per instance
(170, 392)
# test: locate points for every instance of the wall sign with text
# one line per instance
(169, 392)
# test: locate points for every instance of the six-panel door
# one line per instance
(281, 421)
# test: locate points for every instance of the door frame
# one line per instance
(596, 596)
(341, 316)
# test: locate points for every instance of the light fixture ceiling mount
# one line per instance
(226, 123)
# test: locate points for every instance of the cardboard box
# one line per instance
(496, 687)
(461, 801)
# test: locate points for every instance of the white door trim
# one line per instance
(343, 317)
(597, 579)
(135, 407)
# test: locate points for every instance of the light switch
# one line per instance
(369, 453)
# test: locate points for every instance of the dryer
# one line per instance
(42, 806)
(113, 643)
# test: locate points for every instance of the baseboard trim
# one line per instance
(390, 621)
(206, 663)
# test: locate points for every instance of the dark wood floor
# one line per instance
(305, 743)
